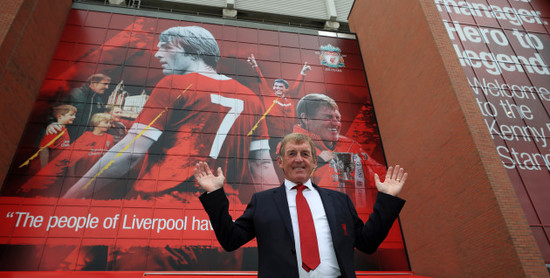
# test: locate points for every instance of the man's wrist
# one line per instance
(208, 192)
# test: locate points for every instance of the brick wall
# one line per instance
(462, 217)
(29, 33)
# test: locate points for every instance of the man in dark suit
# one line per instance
(275, 216)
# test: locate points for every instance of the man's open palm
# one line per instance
(206, 179)
(395, 179)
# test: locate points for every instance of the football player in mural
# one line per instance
(342, 163)
(193, 114)
(279, 101)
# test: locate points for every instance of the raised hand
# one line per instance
(305, 69)
(395, 179)
(252, 61)
(206, 179)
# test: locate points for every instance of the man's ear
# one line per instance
(303, 120)
(280, 162)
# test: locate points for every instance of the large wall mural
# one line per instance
(103, 176)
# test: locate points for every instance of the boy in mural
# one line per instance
(194, 113)
(74, 161)
(281, 117)
(342, 163)
(87, 99)
(91, 145)
(52, 145)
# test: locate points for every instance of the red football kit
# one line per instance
(350, 171)
(87, 150)
(282, 115)
(208, 121)
(58, 145)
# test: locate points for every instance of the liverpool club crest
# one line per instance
(331, 56)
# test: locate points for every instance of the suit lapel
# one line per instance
(330, 210)
(279, 196)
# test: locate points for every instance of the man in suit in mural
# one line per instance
(342, 163)
(275, 217)
(88, 101)
(193, 113)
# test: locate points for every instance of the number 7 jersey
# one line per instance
(197, 118)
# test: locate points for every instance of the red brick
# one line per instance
(30, 33)
(462, 217)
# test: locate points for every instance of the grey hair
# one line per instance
(194, 40)
(310, 104)
(297, 138)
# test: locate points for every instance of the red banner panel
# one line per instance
(103, 177)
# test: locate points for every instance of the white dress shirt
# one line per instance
(329, 265)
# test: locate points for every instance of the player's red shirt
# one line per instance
(281, 117)
(58, 145)
(210, 121)
(87, 150)
(351, 170)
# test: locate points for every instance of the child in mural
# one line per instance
(91, 145)
(73, 162)
(53, 144)
(279, 103)
(118, 129)
(342, 163)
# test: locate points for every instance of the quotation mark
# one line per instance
(10, 214)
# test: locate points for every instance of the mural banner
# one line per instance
(103, 176)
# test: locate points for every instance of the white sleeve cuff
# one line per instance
(151, 132)
(259, 145)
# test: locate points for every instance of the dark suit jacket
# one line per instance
(267, 218)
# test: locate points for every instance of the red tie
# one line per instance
(308, 237)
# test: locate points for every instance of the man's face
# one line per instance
(279, 89)
(116, 113)
(325, 123)
(100, 87)
(297, 162)
(67, 118)
(173, 59)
